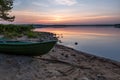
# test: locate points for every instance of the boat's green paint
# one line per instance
(26, 48)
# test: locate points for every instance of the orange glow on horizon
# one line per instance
(57, 18)
(33, 17)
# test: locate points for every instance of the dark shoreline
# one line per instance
(57, 26)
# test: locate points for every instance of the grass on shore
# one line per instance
(12, 31)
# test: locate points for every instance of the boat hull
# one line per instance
(31, 49)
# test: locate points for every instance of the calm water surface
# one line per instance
(101, 41)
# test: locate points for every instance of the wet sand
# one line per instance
(61, 63)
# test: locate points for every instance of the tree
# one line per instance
(5, 8)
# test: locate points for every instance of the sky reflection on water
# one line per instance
(100, 41)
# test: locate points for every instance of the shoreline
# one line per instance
(93, 56)
(61, 63)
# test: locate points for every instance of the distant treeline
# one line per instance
(93, 25)
(117, 25)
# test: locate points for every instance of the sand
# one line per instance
(61, 63)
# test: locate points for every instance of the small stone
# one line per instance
(75, 78)
(53, 50)
(76, 43)
(73, 55)
(62, 54)
(100, 77)
(66, 56)
(83, 78)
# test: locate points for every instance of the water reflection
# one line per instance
(102, 41)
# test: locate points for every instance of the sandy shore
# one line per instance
(61, 63)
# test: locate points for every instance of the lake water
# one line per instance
(100, 41)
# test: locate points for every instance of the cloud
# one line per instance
(39, 4)
(16, 3)
(66, 2)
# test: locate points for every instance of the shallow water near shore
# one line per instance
(100, 41)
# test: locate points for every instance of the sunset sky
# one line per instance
(66, 11)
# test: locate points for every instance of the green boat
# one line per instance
(26, 48)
